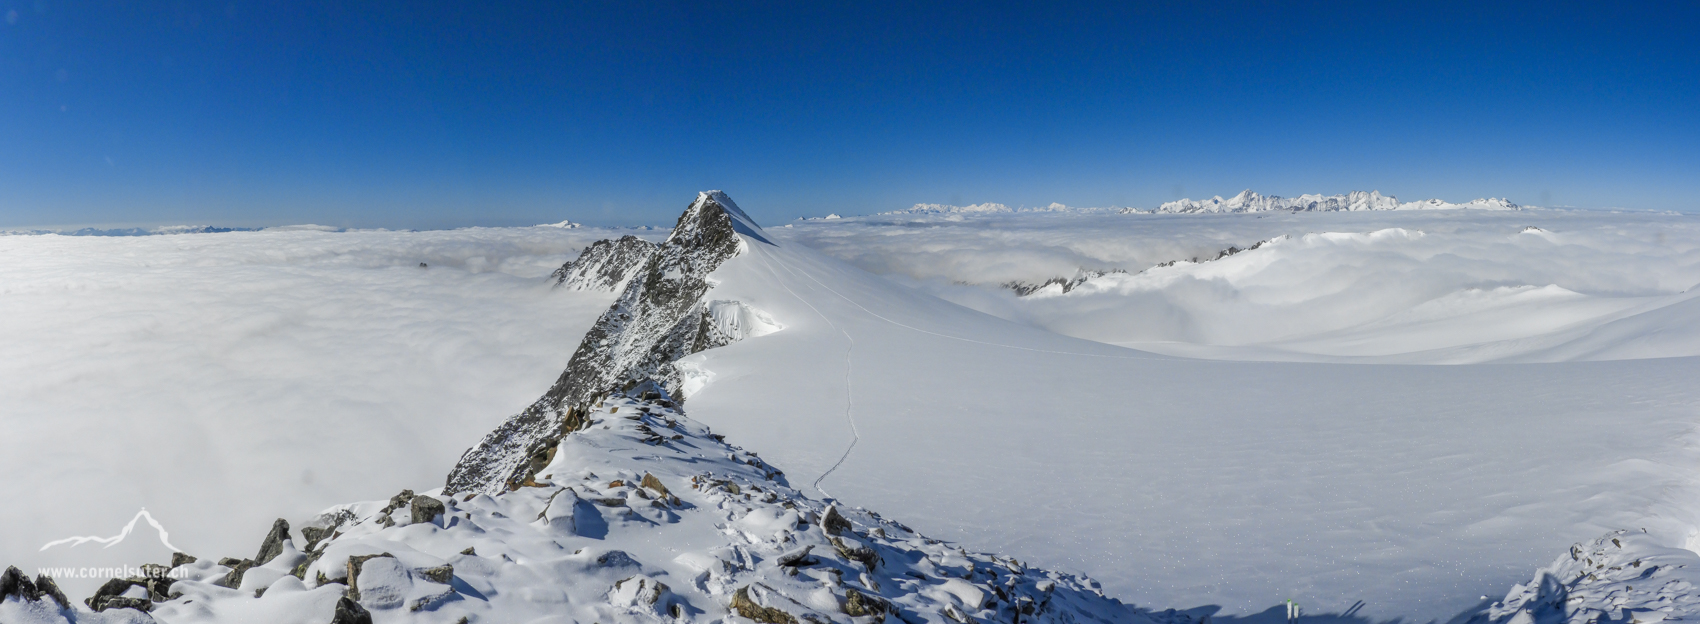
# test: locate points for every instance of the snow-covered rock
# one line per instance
(1623, 576)
(661, 316)
(605, 265)
(1065, 285)
(664, 522)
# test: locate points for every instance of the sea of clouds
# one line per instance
(275, 373)
(269, 374)
(1425, 287)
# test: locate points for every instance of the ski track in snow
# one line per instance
(849, 396)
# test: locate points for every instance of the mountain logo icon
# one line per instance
(164, 536)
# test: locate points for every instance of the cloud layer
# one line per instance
(1453, 286)
(273, 373)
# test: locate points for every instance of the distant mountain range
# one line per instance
(1249, 201)
(1245, 201)
(134, 231)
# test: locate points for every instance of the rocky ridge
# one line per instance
(1068, 284)
(1623, 576)
(642, 516)
(661, 316)
(605, 265)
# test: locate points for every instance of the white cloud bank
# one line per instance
(271, 374)
(1423, 287)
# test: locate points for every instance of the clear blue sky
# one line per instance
(425, 114)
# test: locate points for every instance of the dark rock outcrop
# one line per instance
(426, 509)
(834, 523)
(746, 607)
(273, 544)
(44, 586)
(658, 319)
(110, 596)
(858, 604)
(180, 559)
(238, 567)
(350, 612)
(605, 264)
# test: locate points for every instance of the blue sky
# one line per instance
(425, 114)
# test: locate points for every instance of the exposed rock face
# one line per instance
(425, 509)
(273, 544)
(605, 265)
(746, 607)
(350, 612)
(1022, 289)
(661, 316)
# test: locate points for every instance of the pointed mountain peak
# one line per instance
(661, 315)
(710, 218)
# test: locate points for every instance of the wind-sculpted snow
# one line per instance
(1404, 286)
(659, 318)
(645, 516)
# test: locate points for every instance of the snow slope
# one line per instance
(1188, 483)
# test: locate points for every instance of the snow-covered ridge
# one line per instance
(1065, 285)
(1249, 201)
(660, 317)
(605, 265)
(644, 516)
(1623, 576)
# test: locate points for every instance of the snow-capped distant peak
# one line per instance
(949, 209)
(564, 224)
(1250, 201)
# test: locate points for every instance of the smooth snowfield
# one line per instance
(1448, 287)
(1185, 483)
